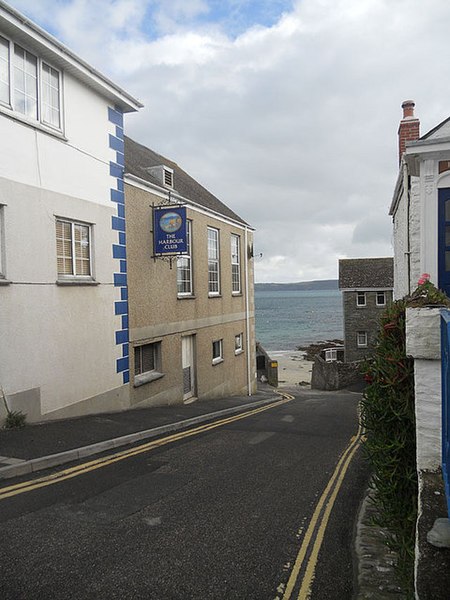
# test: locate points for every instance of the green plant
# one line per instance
(389, 420)
(14, 418)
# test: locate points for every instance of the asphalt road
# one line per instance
(218, 515)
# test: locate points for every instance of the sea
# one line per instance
(288, 319)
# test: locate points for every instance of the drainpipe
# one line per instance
(408, 233)
(247, 317)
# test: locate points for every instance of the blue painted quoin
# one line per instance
(119, 252)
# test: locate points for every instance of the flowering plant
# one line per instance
(427, 294)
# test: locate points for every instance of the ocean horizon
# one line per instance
(288, 319)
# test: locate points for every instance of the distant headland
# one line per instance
(322, 284)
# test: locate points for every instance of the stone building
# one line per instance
(367, 288)
(191, 321)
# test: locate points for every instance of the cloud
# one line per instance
(290, 116)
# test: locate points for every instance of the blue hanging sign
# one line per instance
(169, 230)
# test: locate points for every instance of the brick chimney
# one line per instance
(408, 130)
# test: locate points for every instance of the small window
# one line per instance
(360, 298)
(213, 262)
(217, 351)
(381, 298)
(238, 343)
(184, 266)
(145, 358)
(73, 249)
(235, 264)
(361, 339)
(4, 71)
(168, 177)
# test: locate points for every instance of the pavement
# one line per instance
(51, 443)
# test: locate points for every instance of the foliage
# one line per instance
(389, 419)
(15, 419)
(427, 294)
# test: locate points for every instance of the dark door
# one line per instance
(444, 240)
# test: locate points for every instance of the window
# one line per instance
(235, 264)
(184, 267)
(381, 298)
(147, 363)
(73, 249)
(168, 177)
(238, 343)
(361, 339)
(217, 351)
(360, 298)
(213, 262)
(29, 85)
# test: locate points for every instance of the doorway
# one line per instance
(188, 365)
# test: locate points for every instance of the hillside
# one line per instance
(323, 284)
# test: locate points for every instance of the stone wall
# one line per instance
(333, 375)
(361, 318)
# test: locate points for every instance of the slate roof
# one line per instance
(137, 160)
(366, 273)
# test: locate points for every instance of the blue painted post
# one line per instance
(445, 354)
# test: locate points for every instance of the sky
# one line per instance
(286, 110)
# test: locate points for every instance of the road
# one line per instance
(237, 510)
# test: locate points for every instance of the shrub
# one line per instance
(15, 419)
(389, 419)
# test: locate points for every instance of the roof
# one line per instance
(15, 25)
(139, 158)
(366, 273)
(435, 129)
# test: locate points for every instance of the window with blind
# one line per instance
(28, 85)
(235, 264)
(184, 267)
(213, 262)
(147, 363)
(73, 249)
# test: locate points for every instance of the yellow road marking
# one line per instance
(338, 474)
(28, 486)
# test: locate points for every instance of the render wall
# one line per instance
(58, 353)
(157, 314)
(423, 344)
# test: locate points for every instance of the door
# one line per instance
(444, 240)
(188, 363)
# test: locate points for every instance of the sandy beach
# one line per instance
(293, 369)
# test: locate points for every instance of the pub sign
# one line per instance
(169, 230)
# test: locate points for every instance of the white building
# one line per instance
(421, 205)
(63, 303)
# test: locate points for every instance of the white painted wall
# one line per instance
(423, 344)
(60, 340)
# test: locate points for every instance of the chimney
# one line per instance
(408, 130)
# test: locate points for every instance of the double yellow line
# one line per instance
(313, 539)
(82, 469)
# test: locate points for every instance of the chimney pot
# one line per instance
(408, 108)
(409, 129)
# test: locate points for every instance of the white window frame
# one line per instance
(213, 240)
(364, 297)
(384, 299)
(238, 343)
(361, 339)
(140, 376)
(235, 264)
(217, 351)
(183, 259)
(11, 104)
(74, 276)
